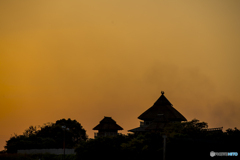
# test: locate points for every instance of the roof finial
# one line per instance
(162, 92)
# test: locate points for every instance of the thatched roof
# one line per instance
(107, 123)
(162, 106)
(138, 129)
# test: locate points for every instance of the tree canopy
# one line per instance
(184, 140)
(50, 135)
(187, 140)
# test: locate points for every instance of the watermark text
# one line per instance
(212, 153)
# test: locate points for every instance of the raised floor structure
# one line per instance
(107, 127)
(158, 116)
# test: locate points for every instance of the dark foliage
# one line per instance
(35, 157)
(49, 136)
(187, 140)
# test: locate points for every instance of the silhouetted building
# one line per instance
(158, 116)
(107, 127)
(214, 130)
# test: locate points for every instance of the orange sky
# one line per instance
(88, 59)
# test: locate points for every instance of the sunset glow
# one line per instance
(88, 59)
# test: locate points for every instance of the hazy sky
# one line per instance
(88, 59)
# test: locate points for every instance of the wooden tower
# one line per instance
(107, 127)
(158, 116)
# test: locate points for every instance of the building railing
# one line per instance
(51, 151)
(214, 129)
(96, 134)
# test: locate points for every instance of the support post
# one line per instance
(164, 147)
(64, 146)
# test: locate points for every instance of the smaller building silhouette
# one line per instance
(107, 127)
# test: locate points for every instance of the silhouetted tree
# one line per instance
(192, 128)
(107, 147)
(49, 136)
(188, 140)
(233, 132)
(32, 130)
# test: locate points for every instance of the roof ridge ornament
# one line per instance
(162, 92)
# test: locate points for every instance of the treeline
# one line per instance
(189, 140)
(48, 136)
